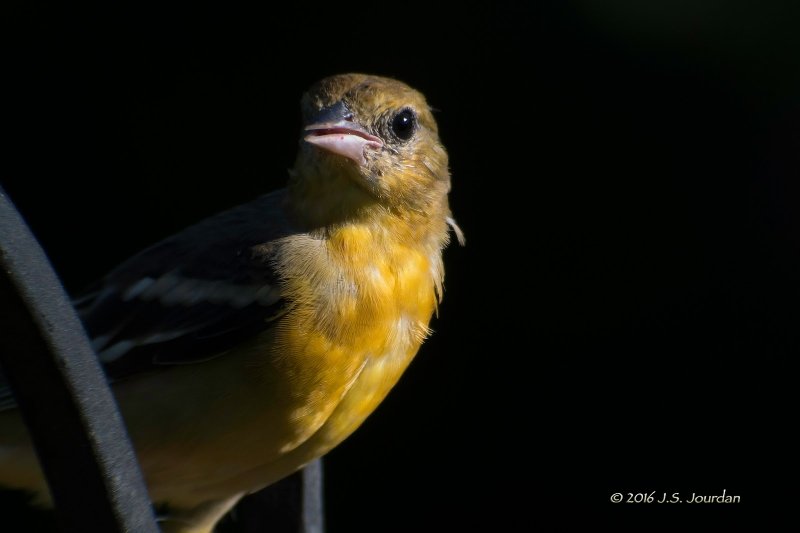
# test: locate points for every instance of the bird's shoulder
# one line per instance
(191, 296)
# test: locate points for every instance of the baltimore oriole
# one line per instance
(298, 312)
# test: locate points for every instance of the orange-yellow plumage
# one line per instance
(360, 274)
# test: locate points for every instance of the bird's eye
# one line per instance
(403, 124)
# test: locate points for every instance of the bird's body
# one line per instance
(325, 289)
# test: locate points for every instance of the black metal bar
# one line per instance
(313, 500)
(62, 393)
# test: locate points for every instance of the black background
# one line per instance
(625, 310)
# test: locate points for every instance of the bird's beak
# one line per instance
(343, 137)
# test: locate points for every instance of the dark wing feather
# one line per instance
(190, 297)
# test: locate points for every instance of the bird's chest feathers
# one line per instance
(367, 293)
(361, 303)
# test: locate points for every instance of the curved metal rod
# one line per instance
(62, 393)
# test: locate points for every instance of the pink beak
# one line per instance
(344, 138)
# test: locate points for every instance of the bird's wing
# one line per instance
(188, 298)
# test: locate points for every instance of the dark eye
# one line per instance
(403, 124)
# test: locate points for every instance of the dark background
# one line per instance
(625, 310)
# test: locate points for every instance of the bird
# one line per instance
(253, 342)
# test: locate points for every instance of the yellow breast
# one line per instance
(354, 339)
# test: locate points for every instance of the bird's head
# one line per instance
(368, 142)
